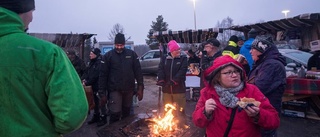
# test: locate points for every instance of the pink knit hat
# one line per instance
(173, 46)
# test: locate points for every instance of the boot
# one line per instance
(102, 121)
(94, 119)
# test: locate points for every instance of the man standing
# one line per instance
(210, 52)
(91, 78)
(268, 73)
(245, 49)
(77, 62)
(40, 93)
(120, 68)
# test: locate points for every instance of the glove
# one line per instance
(161, 83)
(102, 98)
(140, 92)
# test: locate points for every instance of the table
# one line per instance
(300, 88)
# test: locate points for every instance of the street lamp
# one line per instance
(285, 12)
(194, 14)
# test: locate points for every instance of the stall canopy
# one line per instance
(300, 21)
(187, 36)
(64, 40)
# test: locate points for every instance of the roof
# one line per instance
(303, 20)
(187, 36)
(63, 40)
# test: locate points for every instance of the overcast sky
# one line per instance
(136, 16)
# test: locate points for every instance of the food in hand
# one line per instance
(244, 102)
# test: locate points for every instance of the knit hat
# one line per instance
(213, 42)
(173, 46)
(96, 51)
(253, 33)
(18, 6)
(234, 38)
(262, 43)
(119, 39)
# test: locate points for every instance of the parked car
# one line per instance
(286, 46)
(150, 60)
(295, 59)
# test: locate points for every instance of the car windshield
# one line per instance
(296, 56)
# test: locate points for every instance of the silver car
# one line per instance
(150, 60)
(295, 59)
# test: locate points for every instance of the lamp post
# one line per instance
(194, 14)
(285, 12)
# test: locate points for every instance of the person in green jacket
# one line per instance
(40, 92)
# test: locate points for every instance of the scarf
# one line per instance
(227, 96)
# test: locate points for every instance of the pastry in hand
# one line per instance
(244, 102)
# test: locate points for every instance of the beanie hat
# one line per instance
(213, 42)
(173, 46)
(119, 39)
(18, 6)
(253, 33)
(234, 38)
(96, 51)
(262, 43)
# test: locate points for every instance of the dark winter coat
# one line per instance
(79, 65)
(91, 75)
(173, 69)
(119, 71)
(269, 75)
(314, 61)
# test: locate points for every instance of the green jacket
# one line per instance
(40, 92)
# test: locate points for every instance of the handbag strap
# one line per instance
(233, 113)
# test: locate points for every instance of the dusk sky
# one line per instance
(136, 16)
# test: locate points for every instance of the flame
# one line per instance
(165, 124)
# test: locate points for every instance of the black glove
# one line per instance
(161, 83)
(140, 92)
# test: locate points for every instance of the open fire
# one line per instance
(171, 123)
(167, 123)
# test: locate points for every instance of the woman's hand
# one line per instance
(252, 111)
(210, 106)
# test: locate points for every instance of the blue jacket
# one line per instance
(245, 51)
(269, 75)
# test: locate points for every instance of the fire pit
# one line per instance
(148, 125)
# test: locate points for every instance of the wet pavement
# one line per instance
(289, 127)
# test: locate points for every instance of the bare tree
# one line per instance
(227, 33)
(117, 28)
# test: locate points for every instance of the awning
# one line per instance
(63, 40)
(187, 36)
(303, 20)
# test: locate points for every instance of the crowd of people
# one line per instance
(42, 90)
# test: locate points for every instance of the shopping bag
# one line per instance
(89, 94)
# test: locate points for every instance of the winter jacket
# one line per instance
(91, 75)
(206, 63)
(245, 51)
(232, 50)
(79, 65)
(314, 61)
(172, 71)
(243, 125)
(269, 75)
(40, 91)
(119, 71)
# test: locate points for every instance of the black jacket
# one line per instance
(119, 71)
(173, 69)
(91, 75)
